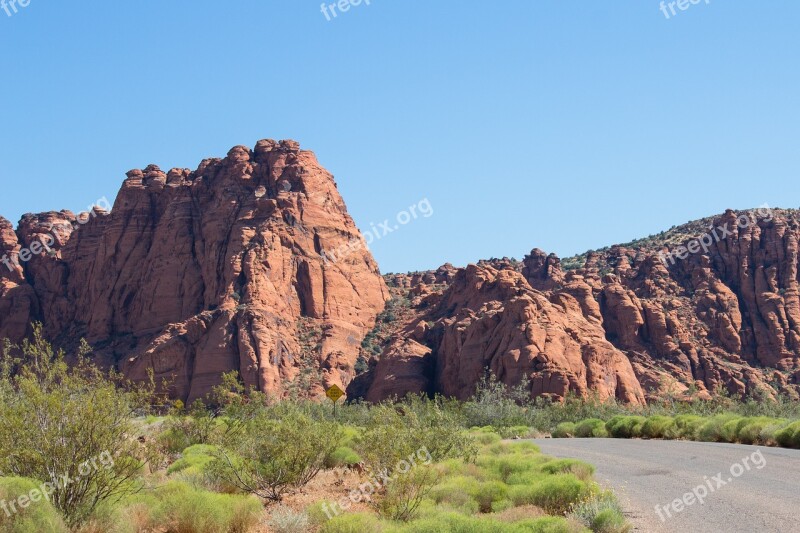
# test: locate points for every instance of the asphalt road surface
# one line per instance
(758, 489)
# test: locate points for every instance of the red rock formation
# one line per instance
(618, 321)
(197, 273)
(251, 263)
(492, 320)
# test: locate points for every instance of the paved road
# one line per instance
(645, 474)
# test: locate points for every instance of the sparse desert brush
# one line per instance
(286, 520)
(485, 437)
(581, 470)
(518, 432)
(523, 512)
(59, 419)
(504, 466)
(270, 458)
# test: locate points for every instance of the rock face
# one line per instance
(490, 319)
(251, 263)
(197, 273)
(713, 305)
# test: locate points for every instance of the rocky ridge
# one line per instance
(626, 322)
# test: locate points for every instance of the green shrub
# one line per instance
(659, 427)
(687, 426)
(714, 428)
(601, 513)
(183, 508)
(37, 516)
(412, 436)
(496, 404)
(342, 456)
(403, 497)
(517, 432)
(69, 420)
(789, 437)
(591, 428)
(547, 524)
(564, 430)
(195, 459)
(273, 457)
(626, 427)
(610, 521)
(730, 430)
(489, 493)
(555, 494)
(504, 466)
(581, 470)
(352, 523)
(485, 438)
(751, 429)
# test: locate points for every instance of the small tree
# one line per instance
(69, 427)
(265, 455)
(403, 440)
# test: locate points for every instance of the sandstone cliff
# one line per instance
(196, 273)
(251, 263)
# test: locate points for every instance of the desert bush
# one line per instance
(342, 456)
(403, 497)
(789, 436)
(412, 434)
(713, 430)
(352, 523)
(687, 426)
(273, 457)
(488, 493)
(625, 427)
(549, 524)
(35, 517)
(485, 436)
(286, 520)
(564, 430)
(195, 459)
(581, 470)
(555, 494)
(592, 427)
(198, 425)
(750, 430)
(69, 420)
(496, 404)
(659, 427)
(505, 466)
(601, 513)
(182, 508)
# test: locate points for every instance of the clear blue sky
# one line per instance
(564, 125)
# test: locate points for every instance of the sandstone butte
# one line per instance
(197, 273)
